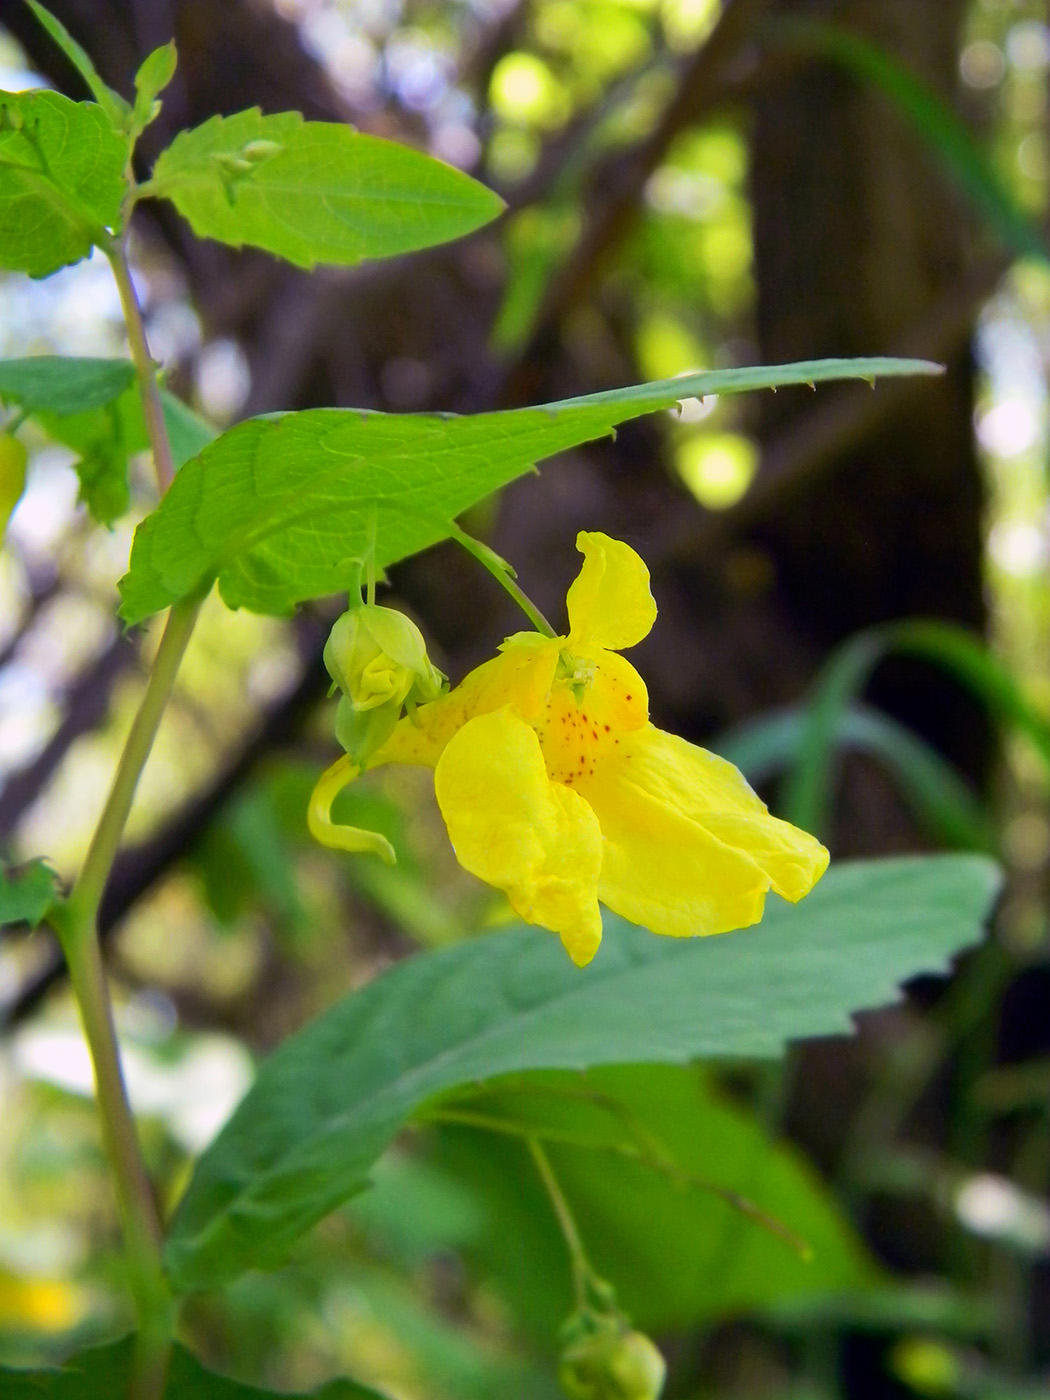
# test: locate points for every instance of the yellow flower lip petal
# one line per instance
(557, 790)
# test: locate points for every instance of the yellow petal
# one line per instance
(319, 815)
(610, 604)
(511, 826)
(576, 735)
(519, 676)
(689, 848)
(715, 794)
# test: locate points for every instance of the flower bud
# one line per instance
(612, 1363)
(377, 656)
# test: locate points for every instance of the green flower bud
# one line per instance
(612, 1363)
(377, 656)
(361, 732)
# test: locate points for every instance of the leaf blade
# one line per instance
(111, 102)
(62, 180)
(315, 192)
(63, 384)
(278, 507)
(332, 1098)
(27, 892)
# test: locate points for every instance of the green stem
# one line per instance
(582, 1272)
(87, 892)
(77, 928)
(152, 408)
(502, 573)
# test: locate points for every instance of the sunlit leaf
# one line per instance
(333, 1096)
(315, 192)
(278, 508)
(154, 75)
(61, 180)
(114, 106)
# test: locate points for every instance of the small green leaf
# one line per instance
(156, 72)
(62, 180)
(333, 1096)
(103, 1373)
(114, 106)
(106, 438)
(279, 507)
(315, 192)
(62, 384)
(26, 892)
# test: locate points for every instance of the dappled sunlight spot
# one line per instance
(982, 65)
(993, 1207)
(688, 22)
(524, 89)
(193, 1088)
(716, 467)
(1019, 547)
(1010, 427)
(223, 379)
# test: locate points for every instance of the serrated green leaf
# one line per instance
(676, 1253)
(153, 76)
(114, 106)
(279, 507)
(333, 1096)
(103, 1373)
(61, 180)
(315, 192)
(26, 892)
(63, 384)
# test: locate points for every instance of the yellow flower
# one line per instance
(556, 789)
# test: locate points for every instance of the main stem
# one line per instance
(152, 408)
(77, 921)
(78, 930)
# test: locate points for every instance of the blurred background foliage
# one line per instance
(854, 606)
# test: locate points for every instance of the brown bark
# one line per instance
(859, 236)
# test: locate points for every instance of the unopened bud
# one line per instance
(256, 151)
(377, 656)
(612, 1364)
